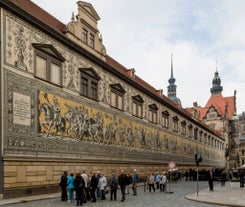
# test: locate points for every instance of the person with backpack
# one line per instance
(113, 187)
(136, 178)
(79, 186)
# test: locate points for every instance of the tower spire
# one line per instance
(172, 87)
(216, 83)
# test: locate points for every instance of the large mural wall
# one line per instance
(61, 117)
(56, 121)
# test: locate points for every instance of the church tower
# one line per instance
(172, 87)
(216, 87)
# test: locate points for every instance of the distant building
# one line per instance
(242, 138)
(219, 114)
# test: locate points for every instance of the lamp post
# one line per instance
(198, 158)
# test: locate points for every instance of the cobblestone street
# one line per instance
(153, 199)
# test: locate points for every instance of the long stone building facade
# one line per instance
(66, 105)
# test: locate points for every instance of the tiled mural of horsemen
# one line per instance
(53, 122)
(59, 116)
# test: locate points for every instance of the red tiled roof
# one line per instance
(219, 102)
(40, 14)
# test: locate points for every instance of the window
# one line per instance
(117, 93)
(183, 127)
(85, 35)
(91, 40)
(175, 124)
(195, 133)
(138, 106)
(153, 113)
(201, 136)
(165, 119)
(48, 63)
(89, 83)
(190, 129)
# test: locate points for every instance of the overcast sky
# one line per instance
(202, 35)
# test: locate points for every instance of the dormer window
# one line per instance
(85, 35)
(48, 63)
(91, 40)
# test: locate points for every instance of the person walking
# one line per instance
(223, 177)
(210, 177)
(70, 187)
(113, 187)
(63, 185)
(79, 186)
(242, 175)
(135, 182)
(123, 180)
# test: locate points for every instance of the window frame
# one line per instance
(137, 101)
(119, 92)
(165, 119)
(91, 40)
(175, 124)
(89, 83)
(51, 56)
(85, 35)
(153, 110)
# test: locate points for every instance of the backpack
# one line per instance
(81, 184)
(130, 180)
(113, 183)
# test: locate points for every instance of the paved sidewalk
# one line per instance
(28, 198)
(230, 195)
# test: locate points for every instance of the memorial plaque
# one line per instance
(21, 109)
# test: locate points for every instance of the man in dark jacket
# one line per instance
(63, 185)
(79, 186)
(210, 177)
(123, 181)
(113, 187)
(93, 186)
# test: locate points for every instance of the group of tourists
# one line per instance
(157, 181)
(81, 187)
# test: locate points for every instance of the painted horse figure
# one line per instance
(53, 119)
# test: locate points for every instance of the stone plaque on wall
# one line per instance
(21, 109)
